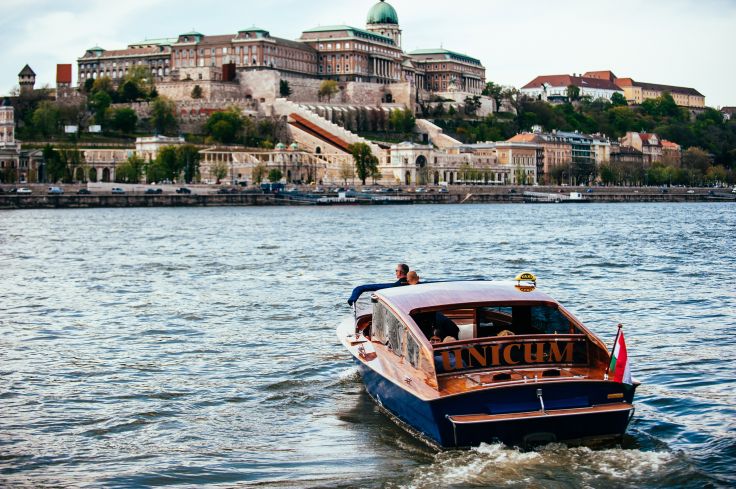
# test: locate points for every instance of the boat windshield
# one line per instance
(494, 320)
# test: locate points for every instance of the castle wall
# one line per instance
(211, 90)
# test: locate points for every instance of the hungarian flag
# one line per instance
(620, 368)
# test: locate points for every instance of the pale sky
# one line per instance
(687, 43)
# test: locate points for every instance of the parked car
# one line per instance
(443, 190)
(154, 191)
(420, 190)
(24, 191)
(117, 190)
(691, 191)
(55, 191)
(183, 190)
(733, 191)
(84, 191)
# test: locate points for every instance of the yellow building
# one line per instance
(637, 92)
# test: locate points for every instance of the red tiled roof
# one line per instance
(602, 75)
(525, 138)
(567, 80)
(63, 74)
(670, 145)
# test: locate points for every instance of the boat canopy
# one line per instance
(437, 295)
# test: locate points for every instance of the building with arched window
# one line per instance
(338, 52)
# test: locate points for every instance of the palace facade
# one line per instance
(339, 52)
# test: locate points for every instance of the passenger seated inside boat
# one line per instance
(437, 327)
(492, 321)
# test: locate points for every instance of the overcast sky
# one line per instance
(677, 42)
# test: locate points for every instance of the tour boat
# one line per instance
(468, 362)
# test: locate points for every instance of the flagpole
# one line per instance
(615, 342)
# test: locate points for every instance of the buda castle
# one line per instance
(373, 55)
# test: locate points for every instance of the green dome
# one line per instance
(383, 13)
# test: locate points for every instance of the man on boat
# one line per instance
(401, 270)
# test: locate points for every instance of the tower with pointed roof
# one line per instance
(383, 20)
(26, 79)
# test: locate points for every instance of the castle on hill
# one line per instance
(369, 64)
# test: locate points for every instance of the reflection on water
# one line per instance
(196, 346)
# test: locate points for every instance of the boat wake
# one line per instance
(560, 466)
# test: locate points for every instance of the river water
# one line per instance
(197, 347)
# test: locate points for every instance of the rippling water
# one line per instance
(145, 347)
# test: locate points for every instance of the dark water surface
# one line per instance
(149, 347)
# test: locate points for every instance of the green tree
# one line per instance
(495, 92)
(328, 88)
(131, 170)
(197, 92)
(189, 159)
(347, 172)
(129, 92)
(225, 126)
(99, 103)
(55, 167)
(402, 121)
(124, 120)
(170, 161)
(46, 119)
(696, 159)
(103, 84)
(573, 93)
(155, 171)
(219, 171)
(163, 115)
(258, 173)
(618, 100)
(275, 175)
(137, 84)
(365, 162)
(284, 88)
(472, 105)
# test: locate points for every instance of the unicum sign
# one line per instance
(563, 350)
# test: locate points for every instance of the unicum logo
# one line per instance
(518, 353)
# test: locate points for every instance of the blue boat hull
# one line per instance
(431, 418)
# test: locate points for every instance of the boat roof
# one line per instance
(428, 296)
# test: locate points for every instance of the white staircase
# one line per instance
(285, 108)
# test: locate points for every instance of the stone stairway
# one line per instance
(286, 108)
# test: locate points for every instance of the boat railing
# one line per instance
(500, 353)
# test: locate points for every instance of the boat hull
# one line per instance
(574, 410)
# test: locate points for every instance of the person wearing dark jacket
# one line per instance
(401, 270)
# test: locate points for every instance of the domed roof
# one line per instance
(383, 13)
(281, 146)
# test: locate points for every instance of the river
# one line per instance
(197, 347)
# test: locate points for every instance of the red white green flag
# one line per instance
(620, 368)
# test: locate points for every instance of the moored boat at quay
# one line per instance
(470, 362)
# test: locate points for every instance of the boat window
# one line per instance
(521, 320)
(412, 351)
(549, 320)
(387, 328)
